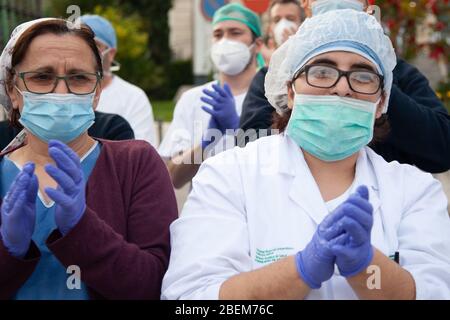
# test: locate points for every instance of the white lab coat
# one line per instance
(190, 121)
(255, 205)
(131, 103)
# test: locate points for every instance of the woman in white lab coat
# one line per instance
(312, 212)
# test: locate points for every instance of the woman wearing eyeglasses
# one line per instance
(80, 218)
(313, 213)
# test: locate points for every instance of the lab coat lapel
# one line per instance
(306, 194)
(365, 176)
(303, 189)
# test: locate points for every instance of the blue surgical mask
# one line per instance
(62, 117)
(323, 6)
(331, 128)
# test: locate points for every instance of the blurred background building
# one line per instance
(14, 12)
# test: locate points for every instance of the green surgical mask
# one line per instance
(331, 128)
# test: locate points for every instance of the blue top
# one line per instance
(49, 279)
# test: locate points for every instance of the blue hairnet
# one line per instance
(339, 30)
(103, 29)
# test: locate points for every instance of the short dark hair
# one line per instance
(52, 26)
(274, 2)
(282, 2)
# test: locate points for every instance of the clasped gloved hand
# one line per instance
(353, 219)
(69, 196)
(18, 212)
(223, 112)
(315, 263)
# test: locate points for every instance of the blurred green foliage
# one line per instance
(443, 92)
(163, 110)
(143, 42)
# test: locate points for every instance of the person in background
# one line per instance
(419, 123)
(284, 20)
(119, 96)
(215, 106)
(66, 198)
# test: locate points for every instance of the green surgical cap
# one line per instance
(237, 12)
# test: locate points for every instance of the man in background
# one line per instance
(119, 96)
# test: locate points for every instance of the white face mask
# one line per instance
(282, 25)
(231, 57)
(323, 6)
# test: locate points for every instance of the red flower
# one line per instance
(436, 53)
(440, 26)
(391, 24)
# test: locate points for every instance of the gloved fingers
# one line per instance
(332, 217)
(13, 187)
(347, 208)
(24, 181)
(331, 232)
(209, 101)
(360, 202)
(32, 190)
(66, 183)
(359, 215)
(67, 151)
(355, 231)
(342, 251)
(29, 168)
(318, 246)
(363, 192)
(59, 197)
(18, 187)
(66, 164)
(212, 112)
(16, 208)
(213, 94)
(342, 239)
(335, 224)
(227, 89)
(219, 90)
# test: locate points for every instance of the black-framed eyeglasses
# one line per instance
(45, 82)
(325, 77)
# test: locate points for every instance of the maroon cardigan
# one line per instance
(122, 242)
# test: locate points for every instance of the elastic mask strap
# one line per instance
(20, 91)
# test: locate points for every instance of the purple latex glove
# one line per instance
(18, 212)
(70, 193)
(353, 219)
(223, 109)
(315, 263)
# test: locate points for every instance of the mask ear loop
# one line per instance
(18, 90)
(293, 86)
(115, 66)
(377, 103)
